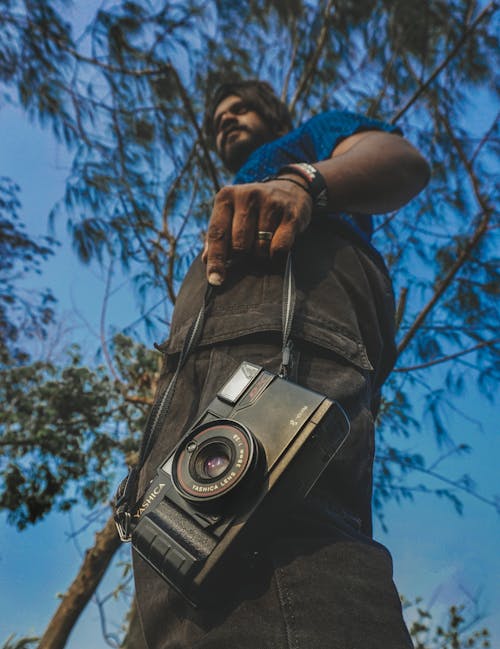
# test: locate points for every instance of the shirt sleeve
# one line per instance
(326, 131)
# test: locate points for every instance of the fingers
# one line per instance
(294, 219)
(232, 228)
(286, 233)
(259, 218)
(245, 219)
(255, 218)
(269, 218)
(218, 240)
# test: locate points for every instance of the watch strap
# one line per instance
(316, 185)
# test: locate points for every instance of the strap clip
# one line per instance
(122, 521)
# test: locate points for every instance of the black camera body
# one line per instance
(256, 451)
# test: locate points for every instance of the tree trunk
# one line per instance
(92, 569)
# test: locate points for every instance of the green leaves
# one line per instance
(65, 429)
(34, 58)
(457, 631)
(23, 314)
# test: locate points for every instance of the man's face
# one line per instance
(239, 130)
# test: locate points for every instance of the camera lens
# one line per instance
(213, 459)
(215, 466)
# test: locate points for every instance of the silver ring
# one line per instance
(264, 236)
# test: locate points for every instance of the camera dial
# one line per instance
(213, 459)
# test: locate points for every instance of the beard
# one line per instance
(235, 153)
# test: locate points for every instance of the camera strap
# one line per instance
(288, 309)
(126, 494)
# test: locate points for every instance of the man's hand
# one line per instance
(370, 172)
(256, 218)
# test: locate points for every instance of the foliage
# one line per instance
(34, 60)
(457, 632)
(62, 428)
(23, 314)
(22, 643)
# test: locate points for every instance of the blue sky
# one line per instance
(437, 554)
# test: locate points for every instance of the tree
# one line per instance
(128, 97)
(23, 315)
(458, 631)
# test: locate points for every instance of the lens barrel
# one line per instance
(213, 459)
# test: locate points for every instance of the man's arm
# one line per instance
(368, 173)
(373, 172)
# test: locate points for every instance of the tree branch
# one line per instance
(295, 47)
(142, 400)
(166, 233)
(311, 66)
(438, 476)
(192, 117)
(442, 286)
(449, 357)
(480, 230)
(401, 306)
(102, 327)
(423, 87)
(74, 601)
(485, 138)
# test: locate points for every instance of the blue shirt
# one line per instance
(313, 141)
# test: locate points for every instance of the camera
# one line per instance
(254, 453)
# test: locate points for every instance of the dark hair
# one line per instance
(257, 95)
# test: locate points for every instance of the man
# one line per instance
(319, 581)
